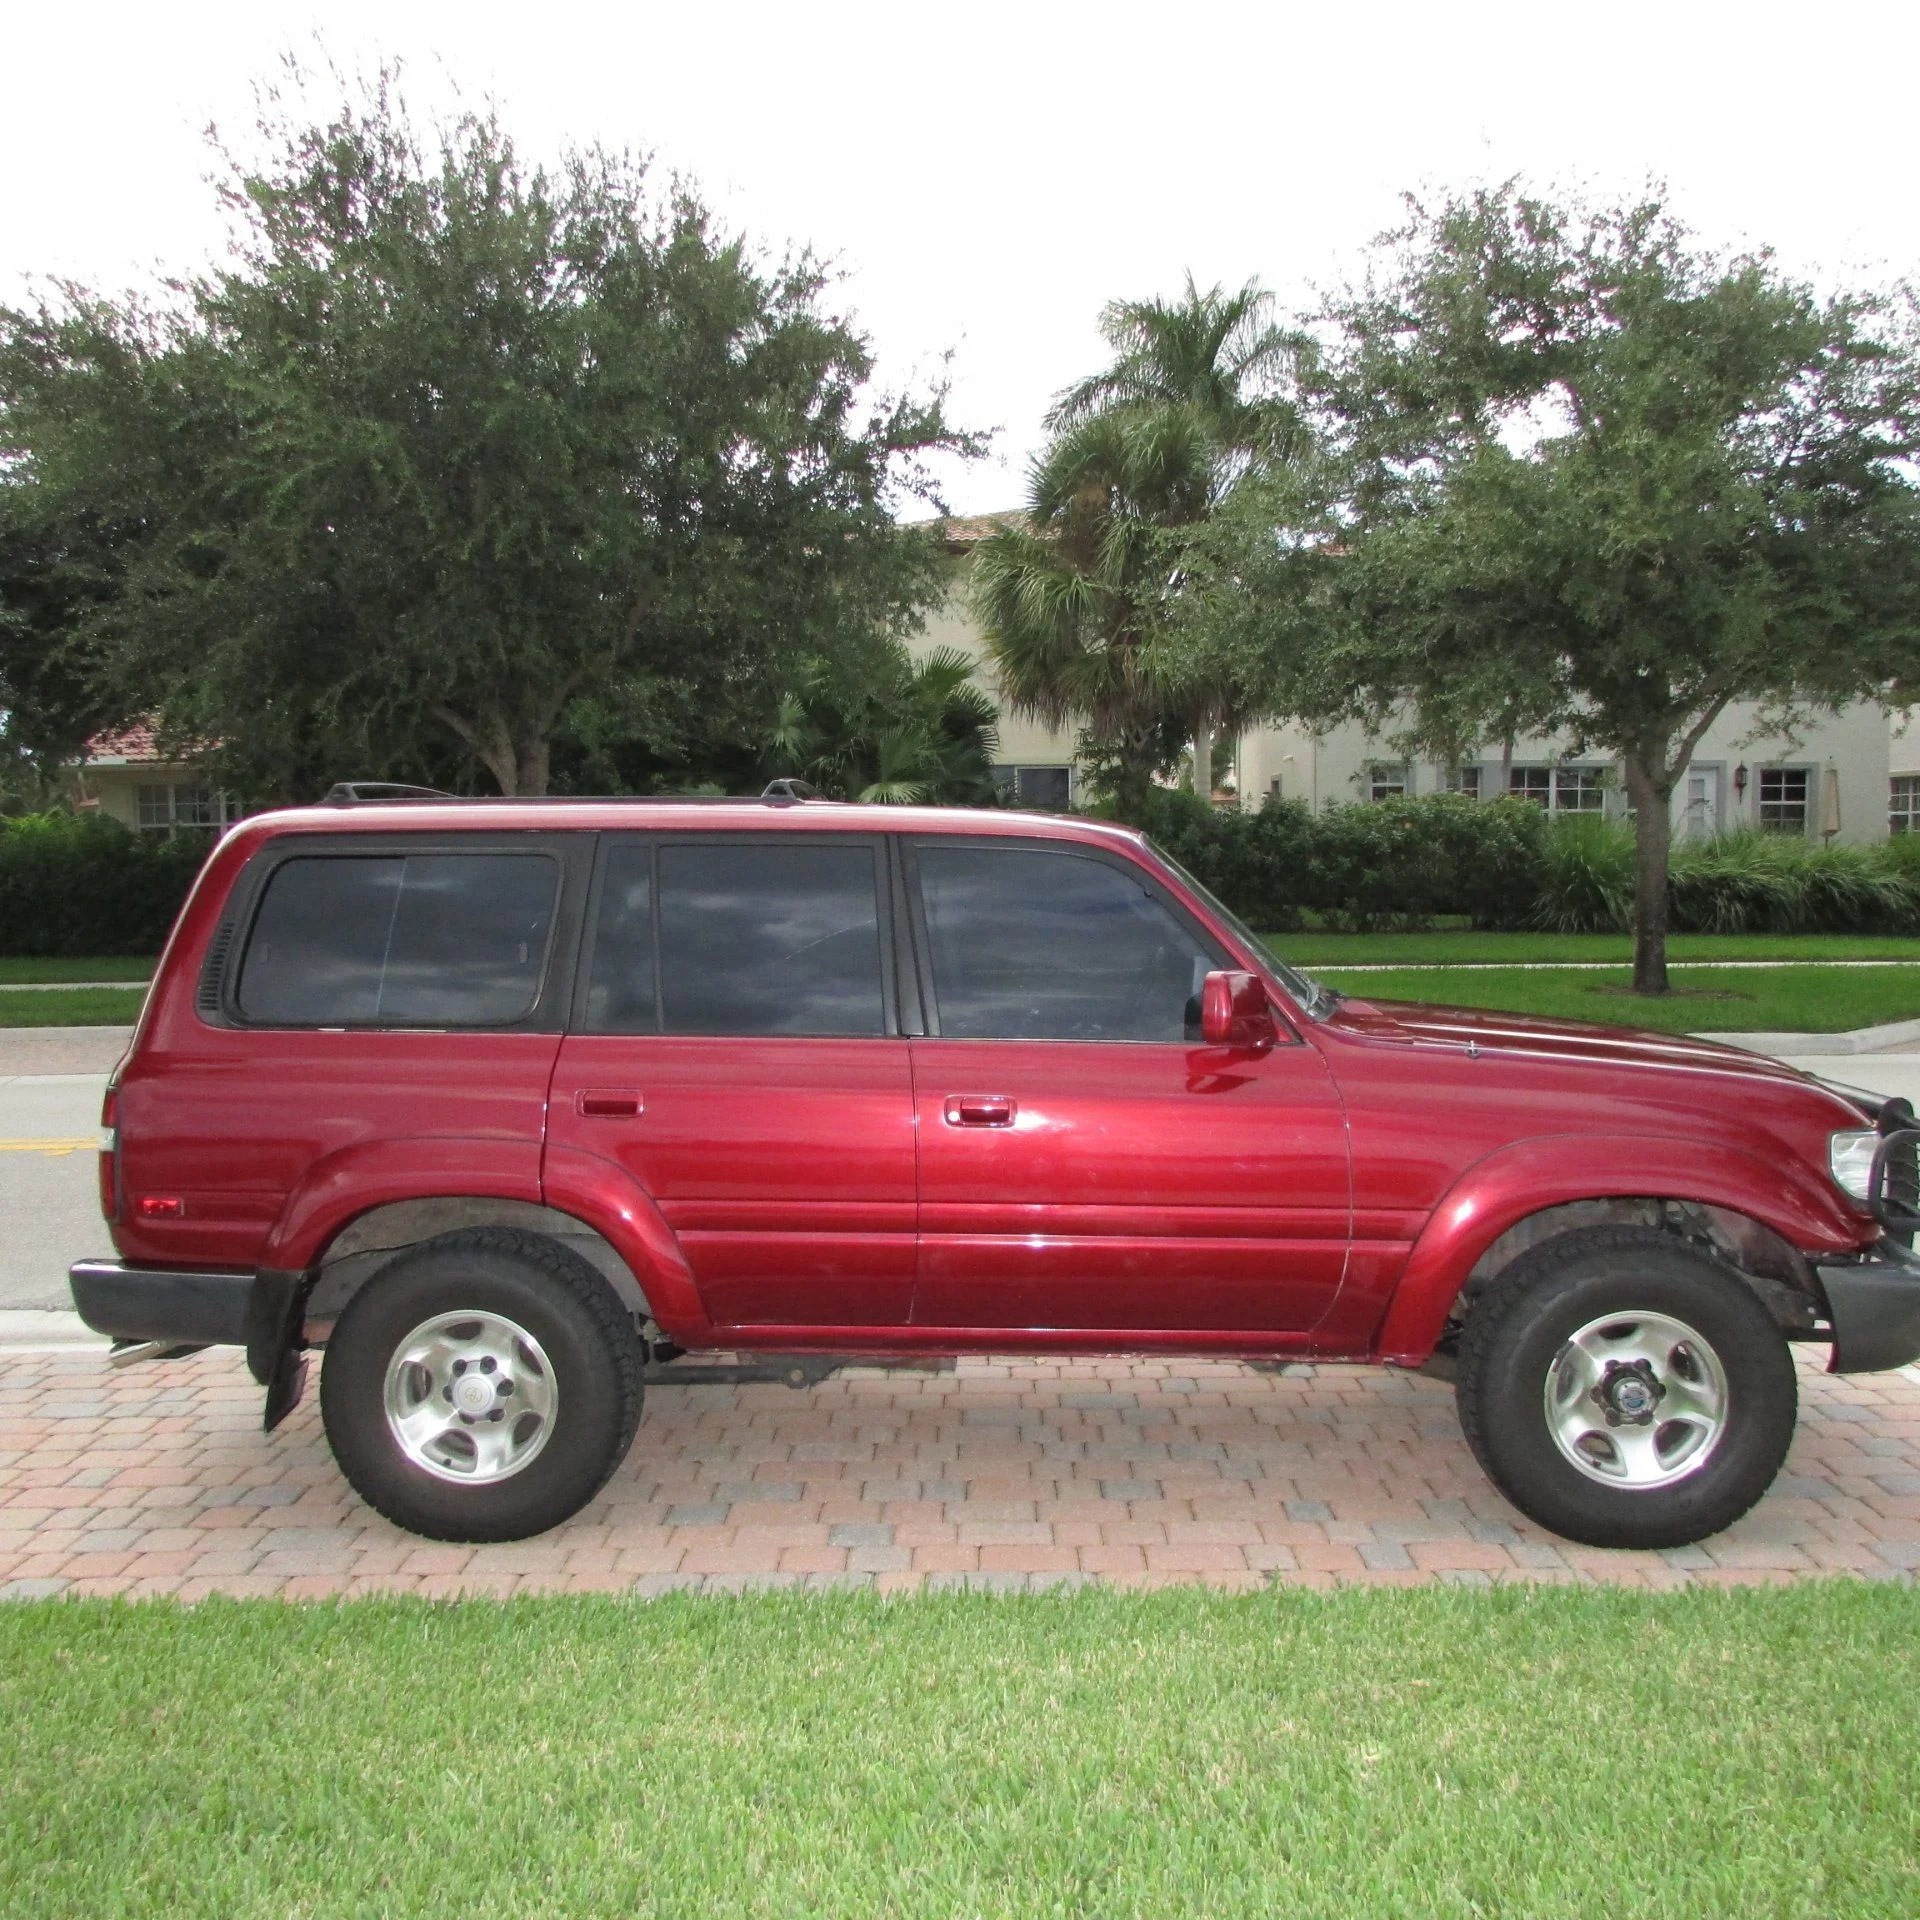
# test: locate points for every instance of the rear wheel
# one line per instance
(1625, 1389)
(482, 1386)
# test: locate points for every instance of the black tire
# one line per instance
(1518, 1331)
(593, 1357)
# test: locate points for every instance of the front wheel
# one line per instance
(482, 1386)
(1625, 1389)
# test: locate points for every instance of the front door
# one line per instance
(735, 1050)
(1085, 1162)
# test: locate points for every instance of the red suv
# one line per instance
(503, 1104)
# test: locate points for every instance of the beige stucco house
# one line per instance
(1845, 776)
(126, 777)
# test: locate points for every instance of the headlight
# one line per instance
(1850, 1156)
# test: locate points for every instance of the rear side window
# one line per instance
(1029, 943)
(722, 938)
(408, 940)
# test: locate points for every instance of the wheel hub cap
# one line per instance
(470, 1397)
(1636, 1400)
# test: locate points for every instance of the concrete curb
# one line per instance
(1894, 1037)
(29, 1330)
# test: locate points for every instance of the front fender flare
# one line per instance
(1531, 1176)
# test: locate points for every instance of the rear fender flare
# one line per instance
(340, 1186)
(1533, 1175)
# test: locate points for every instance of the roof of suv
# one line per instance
(726, 816)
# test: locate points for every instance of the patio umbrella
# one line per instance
(1830, 804)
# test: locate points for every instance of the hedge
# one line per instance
(1390, 863)
(1505, 864)
(74, 886)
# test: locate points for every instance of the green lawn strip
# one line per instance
(24, 971)
(1436, 1752)
(72, 1007)
(1444, 948)
(1759, 999)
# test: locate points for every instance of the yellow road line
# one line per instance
(50, 1146)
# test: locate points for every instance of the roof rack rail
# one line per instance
(364, 793)
(353, 793)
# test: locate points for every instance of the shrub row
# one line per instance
(1505, 864)
(74, 886)
(83, 886)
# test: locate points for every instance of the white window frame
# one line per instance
(164, 806)
(1903, 803)
(1809, 779)
(1389, 780)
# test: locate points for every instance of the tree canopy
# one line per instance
(457, 458)
(1582, 476)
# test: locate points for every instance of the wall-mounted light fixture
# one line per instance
(1740, 781)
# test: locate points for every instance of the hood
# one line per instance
(1541, 1036)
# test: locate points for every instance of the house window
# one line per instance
(1903, 804)
(1387, 780)
(1047, 789)
(162, 807)
(1578, 790)
(1560, 789)
(1783, 799)
(1465, 780)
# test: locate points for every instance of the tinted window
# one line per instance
(417, 940)
(620, 995)
(778, 938)
(1031, 944)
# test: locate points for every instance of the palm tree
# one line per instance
(1150, 445)
(909, 733)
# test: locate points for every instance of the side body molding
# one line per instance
(606, 1197)
(1532, 1175)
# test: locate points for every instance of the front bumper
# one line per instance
(1873, 1306)
(259, 1311)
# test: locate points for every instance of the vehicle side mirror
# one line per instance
(1234, 1012)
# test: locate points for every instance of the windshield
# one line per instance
(1316, 999)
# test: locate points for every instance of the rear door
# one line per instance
(1085, 1162)
(735, 1050)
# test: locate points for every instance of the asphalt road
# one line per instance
(50, 1087)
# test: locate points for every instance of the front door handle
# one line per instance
(980, 1110)
(608, 1103)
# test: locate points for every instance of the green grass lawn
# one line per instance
(77, 1007)
(1438, 1752)
(1449, 948)
(21, 972)
(1706, 999)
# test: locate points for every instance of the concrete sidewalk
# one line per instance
(1001, 1474)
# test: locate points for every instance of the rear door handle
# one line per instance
(608, 1103)
(980, 1110)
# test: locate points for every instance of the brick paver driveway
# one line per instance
(998, 1473)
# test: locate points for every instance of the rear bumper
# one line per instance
(1873, 1306)
(252, 1310)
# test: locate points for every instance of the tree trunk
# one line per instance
(1203, 757)
(520, 767)
(1651, 791)
(533, 763)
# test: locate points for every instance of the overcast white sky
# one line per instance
(989, 174)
